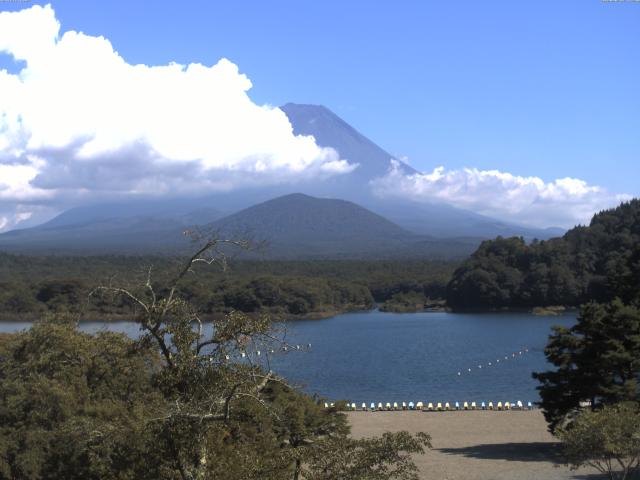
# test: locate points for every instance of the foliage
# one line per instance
(30, 286)
(596, 360)
(173, 404)
(598, 262)
(404, 302)
(606, 439)
(386, 457)
(72, 405)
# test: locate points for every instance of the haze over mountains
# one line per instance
(296, 226)
(300, 226)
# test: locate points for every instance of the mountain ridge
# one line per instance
(295, 226)
(133, 225)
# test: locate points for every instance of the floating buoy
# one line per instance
(469, 369)
(489, 363)
(479, 366)
(458, 373)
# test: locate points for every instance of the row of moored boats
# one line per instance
(436, 407)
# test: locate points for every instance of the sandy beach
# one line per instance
(477, 445)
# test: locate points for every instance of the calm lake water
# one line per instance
(385, 357)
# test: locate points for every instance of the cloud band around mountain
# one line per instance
(530, 201)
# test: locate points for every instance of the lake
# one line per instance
(385, 357)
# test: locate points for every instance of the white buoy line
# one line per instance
(506, 358)
(244, 354)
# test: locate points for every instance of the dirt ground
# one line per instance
(477, 445)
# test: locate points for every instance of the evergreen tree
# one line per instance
(597, 360)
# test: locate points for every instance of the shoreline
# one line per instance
(278, 317)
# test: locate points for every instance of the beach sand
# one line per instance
(477, 445)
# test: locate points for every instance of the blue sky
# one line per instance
(535, 88)
(542, 88)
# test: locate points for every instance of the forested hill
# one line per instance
(596, 262)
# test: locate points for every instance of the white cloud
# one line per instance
(79, 120)
(528, 200)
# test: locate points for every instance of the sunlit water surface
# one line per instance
(385, 357)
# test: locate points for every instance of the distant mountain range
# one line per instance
(296, 225)
(300, 226)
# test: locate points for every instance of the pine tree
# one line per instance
(597, 360)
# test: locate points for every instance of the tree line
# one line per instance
(598, 262)
(32, 286)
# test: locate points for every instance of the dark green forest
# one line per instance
(171, 404)
(596, 267)
(589, 263)
(33, 285)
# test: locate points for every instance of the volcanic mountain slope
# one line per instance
(301, 226)
(294, 226)
(433, 219)
(154, 224)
